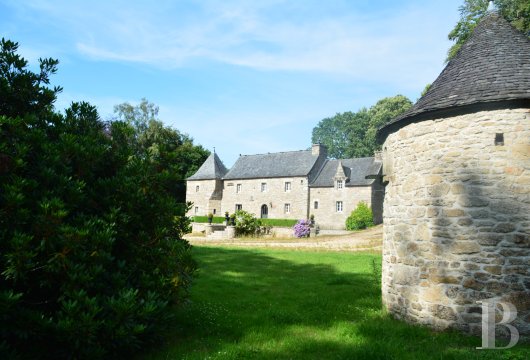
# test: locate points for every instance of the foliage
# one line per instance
(246, 223)
(22, 91)
(331, 132)
(302, 228)
(279, 222)
(350, 134)
(173, 152)
(426, 89)
(517, 12)
(360, 218)
(90, 235)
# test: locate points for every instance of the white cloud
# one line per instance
(384, 46)
(354, 56)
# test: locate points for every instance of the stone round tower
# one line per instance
(457, 203)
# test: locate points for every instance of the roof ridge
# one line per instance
(278, 152)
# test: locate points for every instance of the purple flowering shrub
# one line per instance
(302, 228)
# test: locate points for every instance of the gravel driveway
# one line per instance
(365, 240)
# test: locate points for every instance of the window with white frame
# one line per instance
(197, 188)
(239, 207)
(316, 205)
(339, 184)
(263, 187)
(196, 210)
(287, 208)
(287, 186)
(339, 206)
(238, 188)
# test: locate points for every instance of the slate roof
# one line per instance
(213, 168)
(355, 169)
(282, 164)
(492, 65)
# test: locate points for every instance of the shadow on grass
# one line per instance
(263, 304)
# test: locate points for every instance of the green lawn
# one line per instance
(280, 304)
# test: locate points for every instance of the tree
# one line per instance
(92, 257)
(350, 134)
(331, 132)
(138, 116)
(173, 152)
(380, 114)
(517, 12)
(22, 91)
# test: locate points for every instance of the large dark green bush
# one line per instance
(91, 249)
(360, 218)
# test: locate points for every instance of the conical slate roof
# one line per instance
(492, 65)
(213, 168)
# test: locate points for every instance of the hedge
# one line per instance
(279, 222)
(204, 219)
(264, 222)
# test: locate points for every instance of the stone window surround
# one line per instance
(287, 208)
(197, 188)
(287, 186)
(238, 188)
(339, 206)
(239, 207)
(263, 187)
(196, 210)
(315, 204)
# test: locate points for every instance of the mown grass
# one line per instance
(281, 304)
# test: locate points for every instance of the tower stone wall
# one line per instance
(457, 218)
(206, 197)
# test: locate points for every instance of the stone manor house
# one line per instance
(288, 185)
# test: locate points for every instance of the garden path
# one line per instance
(365, 240)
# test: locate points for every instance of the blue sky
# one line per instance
(242, 76)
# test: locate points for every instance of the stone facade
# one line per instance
(286, 186)
(274, 197)
(457, 218)
(327, 213)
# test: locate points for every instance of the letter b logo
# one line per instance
(488, 323)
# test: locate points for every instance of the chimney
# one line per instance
(319, 149)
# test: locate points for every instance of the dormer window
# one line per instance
(339, 184)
